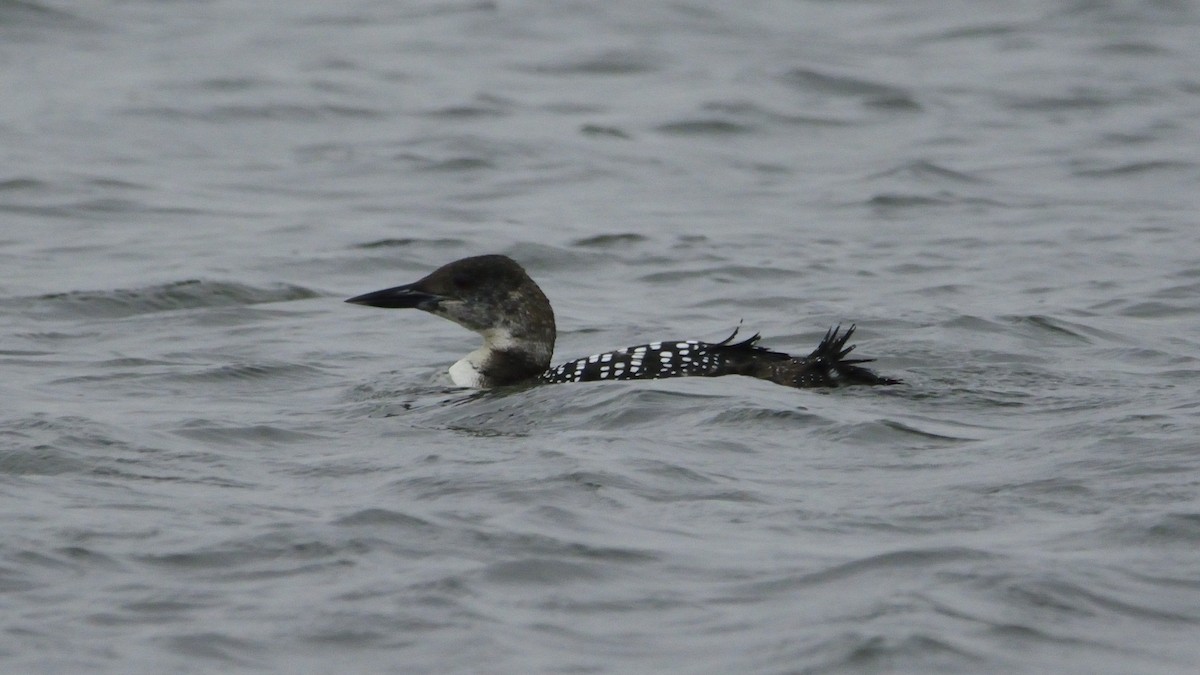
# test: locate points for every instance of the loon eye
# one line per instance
(463, 282)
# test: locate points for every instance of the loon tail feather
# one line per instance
(734, 334)
(749, 344)
(828, 365)
(746, 349)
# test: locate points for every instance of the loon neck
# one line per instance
(506, 357)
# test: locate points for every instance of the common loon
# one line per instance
(494, 296)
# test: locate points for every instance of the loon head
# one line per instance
(493, 296)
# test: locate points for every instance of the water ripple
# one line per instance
(190, 294)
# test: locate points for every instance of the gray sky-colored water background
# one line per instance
(210, 463)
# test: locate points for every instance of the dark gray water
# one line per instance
(209, 463)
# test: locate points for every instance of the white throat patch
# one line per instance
(468, 371)
(464, 373)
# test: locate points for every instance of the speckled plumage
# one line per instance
(494, 296)
(825, 367)
(643, 362)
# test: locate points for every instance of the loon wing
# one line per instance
(826, 366)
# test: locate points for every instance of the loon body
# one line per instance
(494, 296)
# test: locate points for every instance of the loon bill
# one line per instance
(494, 296)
